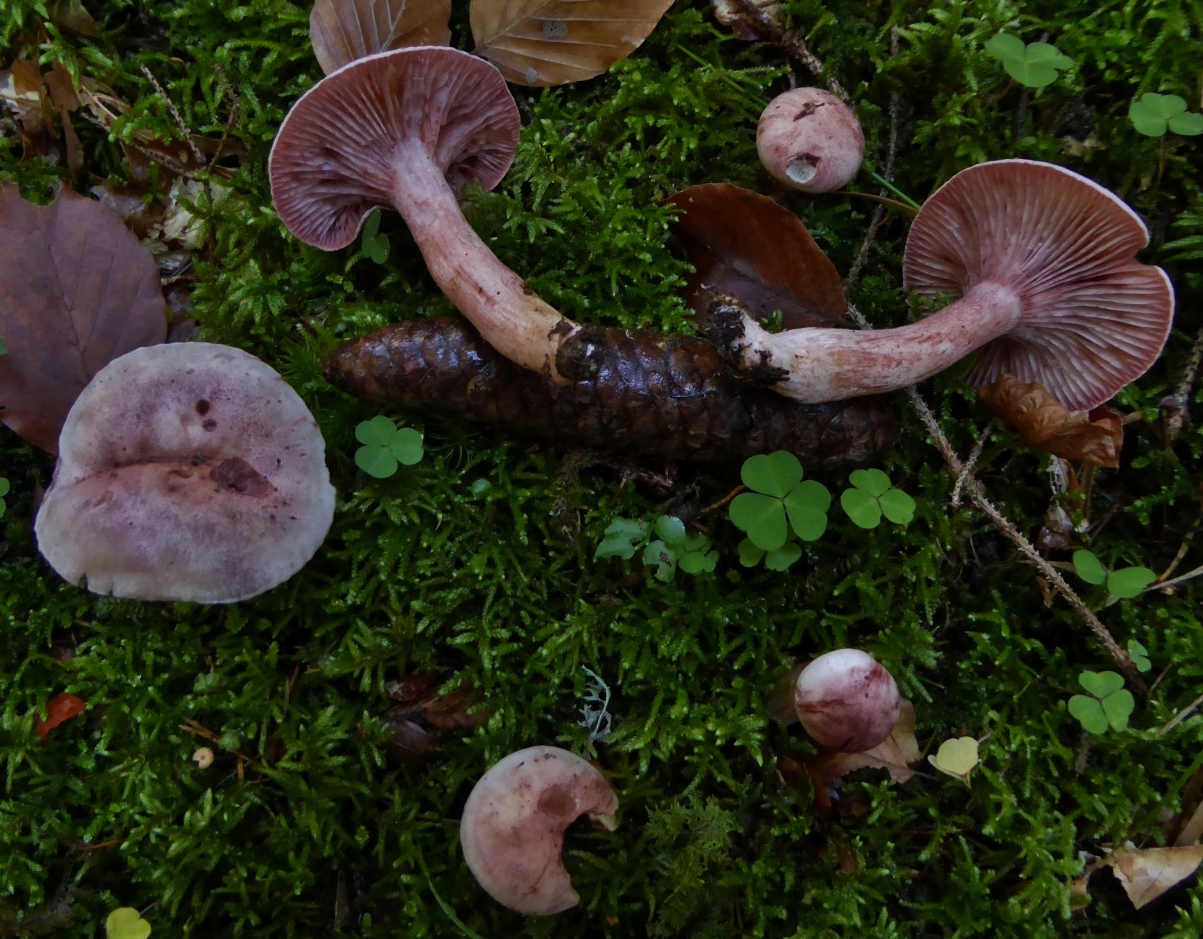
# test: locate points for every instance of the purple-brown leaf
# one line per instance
(746, 246)
(76, 291)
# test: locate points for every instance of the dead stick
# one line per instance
(790, 41)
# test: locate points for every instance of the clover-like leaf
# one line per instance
(873, 481)
(761, 517)
(375, 245)
(1129, 582)
(783, 558)
(1118, 707)
(873, 496)
(861, 508)
(1089, 567)
(126, 923)
(956, 757)
(1089, 712)
(621, 538)
(806, 506)
(1035, 65)
(698, 562)
(663, 558)
(1153, 115)
(773, 474)
(750, 555)
(1139, 655)
(671, 529)
(4, 488)
(386, 446)
(1101, 684)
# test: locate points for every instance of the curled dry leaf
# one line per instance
(553, 42)
(1147, 873)
(746, 246)
(1043, 423)
(77, 290)
(425, 715)
(895, 754)
(735, 14)
(59, 709)
(345, 30)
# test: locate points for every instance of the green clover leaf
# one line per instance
(1153, 115)
(385, 446)
(1035, 65)
(780, 559)
(663, 558)
(375, 245)
(780, 501)
(125, 923)
(1123, 584)
(5, 486)
(1109, 704)
(622, 537)
(873, 496)
(671, 529)
(1139, 655)
(1089, 567)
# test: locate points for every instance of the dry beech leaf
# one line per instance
(1043, 423)
(76, 291)
(745, 245)
(744, 26)
(1147, 873)
(553, 42)
(70, 14)
(345, 30)
(895, 754)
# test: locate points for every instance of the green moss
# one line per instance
(302, 824)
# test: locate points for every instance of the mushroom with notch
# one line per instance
(408, 128)
(514, 821)
(187, 471)
(1044, 263)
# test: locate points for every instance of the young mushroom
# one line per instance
(514, 820)
(847, 701)
(1044, 263)
(809, 139)
(187, 471)
(408, 128)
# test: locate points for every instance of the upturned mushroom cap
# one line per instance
(809, 139)
(847, 701)
(187, 471)
(514, 821)
(337, 154)
(1092, 317)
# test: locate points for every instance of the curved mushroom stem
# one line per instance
(819, 364)
(507, 313)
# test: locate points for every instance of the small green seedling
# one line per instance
(672, 548)
(780, 500)
(386, 446)
(1108, 704)
(622, 537)
(1123, 584)
(126, 923)
(956, 757)
(1033, 65)
(5, 486)
(872, 495)
(1139, 656)
(1154, 115)
(373, 244)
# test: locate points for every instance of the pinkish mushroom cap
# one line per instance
(340, 152)
(809, 139)
(514, 820)
(847, 701)
(1092, 319)
(187, 471)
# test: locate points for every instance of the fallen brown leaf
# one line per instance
(70, 14)
(745, 245)
(553, 42)
(76, 291)
(424, 716)
(1147, 873)
(894, 755)
(1043, 423)
(345, 30)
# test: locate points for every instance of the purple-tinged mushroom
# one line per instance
(513, 826)
(1044, 263)
(187, 471)
(408, 128)
(809, 139)
(847, 701)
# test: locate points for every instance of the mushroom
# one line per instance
(514, 820)
(1043, 261)
(809, 139)
(187, 471)
(407, 128)
(847, 701)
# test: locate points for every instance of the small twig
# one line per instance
(1180, 716)
(791, 42)
(1189, 575)
(1183, 550)
(1175, 408)
(175, 116)
(723, 501)
(974, 455)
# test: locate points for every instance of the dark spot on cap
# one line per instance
(210, 424)
(237, 474)
(202, 407)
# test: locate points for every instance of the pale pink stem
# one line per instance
(508, 314)
(835, 364)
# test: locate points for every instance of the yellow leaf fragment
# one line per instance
(956, 757)
(1147, 873)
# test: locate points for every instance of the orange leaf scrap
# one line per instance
(59, 709)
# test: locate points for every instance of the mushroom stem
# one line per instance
(820, 364)
(507, 313)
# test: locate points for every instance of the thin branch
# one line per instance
(789, 40)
